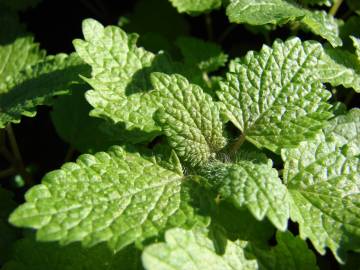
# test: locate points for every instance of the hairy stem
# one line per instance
(335, 7)
(239, 141)
(18, 161)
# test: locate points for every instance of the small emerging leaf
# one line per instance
(206, 55)
(189, 118)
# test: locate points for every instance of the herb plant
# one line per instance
(190, 156)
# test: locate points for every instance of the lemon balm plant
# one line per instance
(189, 158)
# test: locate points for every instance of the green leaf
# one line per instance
(193, 250)
(256, 186)
(7, 233)
(352, 262)
(120, 76)
(70, 116)
(37, 85)
(356, 43)
(10, 26)
(114, 196)
(195, 6)
(19, 5)
(262, 11)
(29, 254)
(16, 56)
(323, 177)
(324, 25)
(317, 2)
(290, 253)
(340, 67)
(273, 96)
(242, 224)
(350, 28)
(189, 118)
(207, 56)
(176, 25)
(281, 11)
(353, 4)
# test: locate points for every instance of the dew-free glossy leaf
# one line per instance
(189, 118)
(273, 96)
(323, 180)
(260, 12)
(37, 85)
(120, 76)
(114, 196)
(255, 186)
(17, 55)
(324, 25)
(340, 67)
(195, 6)
(193, 250)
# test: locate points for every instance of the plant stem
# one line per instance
(239, 141)
(69, 154)
(7, 172)
(7, 155)
(2, 138)
(207, 79)
(92, 8)
(209, 26)
(335, 7)
(18, 162)
(3, 150)
(226, 33)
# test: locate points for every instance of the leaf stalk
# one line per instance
(335, 7)
(18, 161)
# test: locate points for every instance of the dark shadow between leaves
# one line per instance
(140, 81)
(13, 28)
(44, 86)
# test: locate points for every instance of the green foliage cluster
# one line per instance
(190, 158)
